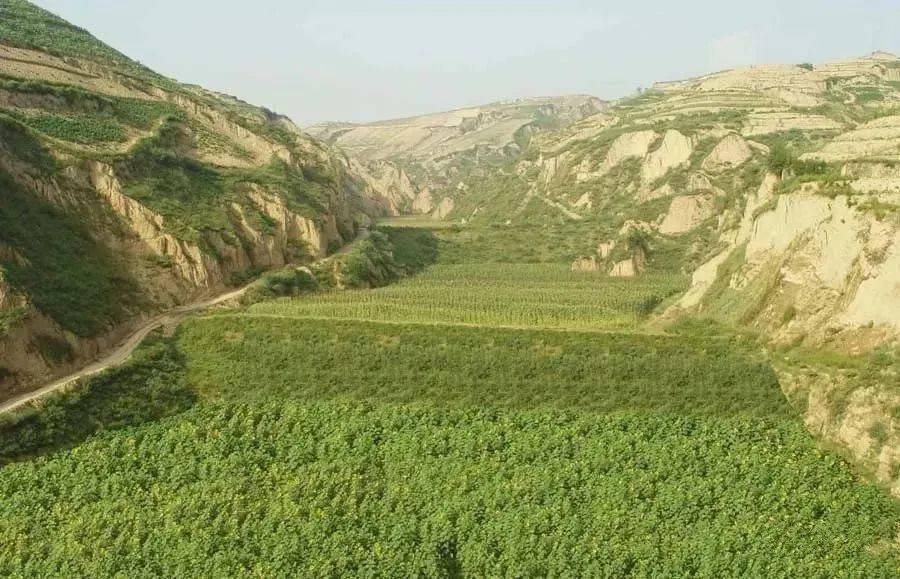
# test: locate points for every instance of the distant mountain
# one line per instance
(776, 187)
(422, 155)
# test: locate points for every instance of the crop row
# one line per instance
(519, 295)
(296, 489)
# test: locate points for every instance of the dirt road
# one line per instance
(126, 348)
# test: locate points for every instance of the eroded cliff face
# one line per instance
(807, 269)
(813, 274)
(133, 193)
(854, 413)
(389, 187)
(168, 270)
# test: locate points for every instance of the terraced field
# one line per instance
(496, 295)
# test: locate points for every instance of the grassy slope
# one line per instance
(196, 199)
(25, 25)
(68, 274)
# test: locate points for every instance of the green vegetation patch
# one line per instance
(256, 357)
(9, 318)
(76, 128)
(518, 295)
(20, 142)
(369, 263)
(138, 113)
(65, 272)
(552, 241)
(414, 248)
(285, 282)
(291, 489)
(150, 387)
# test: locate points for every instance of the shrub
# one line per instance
(288, 282)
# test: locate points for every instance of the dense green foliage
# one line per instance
(67, 274)
(288, 282)
(84, 129)
(368, 263)
(288, 489)
(521, 295)
(413, 249)
(247, 357)
(553, 241)
(148, 388)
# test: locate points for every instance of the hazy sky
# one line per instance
(360, 60)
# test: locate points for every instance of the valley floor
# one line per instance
(479, 419)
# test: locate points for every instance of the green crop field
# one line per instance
(512, 295)
(301, 489)
(238, 358)
(415, 222)
(476, 419)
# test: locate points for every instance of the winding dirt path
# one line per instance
(124, 350)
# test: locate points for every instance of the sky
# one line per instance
(366, 60)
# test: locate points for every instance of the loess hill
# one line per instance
(615, 339)
(125, 192)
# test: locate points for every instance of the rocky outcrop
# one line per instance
(811, 268)
(550, 166)
(193, 265)
(852, 414)
(604, 250)
(632, 266)
(423, 203)
(627, 146)
(686, 213)
(586, 264)
(731, 152)
(444, 208)
(260, 148)
(624, 268)
(674, 151)
(389, 187)
(289, 227)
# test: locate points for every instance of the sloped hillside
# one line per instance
(775, 187)
(775, 190)
(415, 161)
(125, 192)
